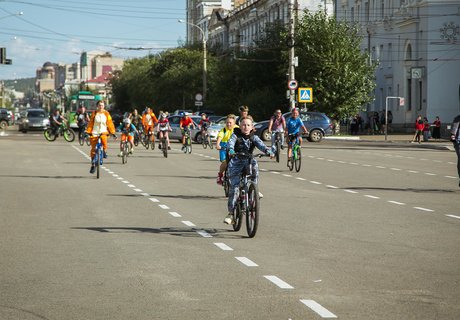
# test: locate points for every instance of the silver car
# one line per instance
(33, 119)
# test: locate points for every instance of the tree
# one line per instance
(330, 61)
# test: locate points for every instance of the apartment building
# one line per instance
(416, 46)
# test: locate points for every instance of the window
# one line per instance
(390, 54)
(382, 8)
(366, 13)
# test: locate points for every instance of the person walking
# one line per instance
(437, 129)
(455, 138)
(426, 129)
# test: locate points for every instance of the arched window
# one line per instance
(408, 52)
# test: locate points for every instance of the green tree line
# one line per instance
(330, 61)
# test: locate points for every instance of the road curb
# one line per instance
(423, 145)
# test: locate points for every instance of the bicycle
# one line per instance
(225, 183)
(83, 136)
(125, 149)
(188, 141)
(164, 147)
(51, 134)
(277, 145)
(98, 158)
(206, 140)
(248, 198)
(148, 141)
(296, 159)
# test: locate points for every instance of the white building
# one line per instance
(417, 46)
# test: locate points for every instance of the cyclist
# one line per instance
(136, 119)
(293, 126)
(184, 124)
(221, 144)
(82, 119)
(244, 112)
(204, 125)
(56, 120)
(128, 130)
(243, 140)
(164, 127)
(277, 124)
(148, 121)
(100, 123)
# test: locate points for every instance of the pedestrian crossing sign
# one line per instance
(305, 95)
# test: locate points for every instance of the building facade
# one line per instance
(416, 45)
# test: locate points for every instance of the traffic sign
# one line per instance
(198, 103)
(292, 84)
(401, 102)
(198, 97)
(305, 95)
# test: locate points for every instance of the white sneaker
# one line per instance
(261, 195)
(120, 154)
(229, 219)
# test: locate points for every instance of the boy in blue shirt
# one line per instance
(293, 126)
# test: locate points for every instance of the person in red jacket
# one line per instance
(418, 129)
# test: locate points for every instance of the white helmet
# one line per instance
(126, 121)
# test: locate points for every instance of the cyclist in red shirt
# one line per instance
(184, 124)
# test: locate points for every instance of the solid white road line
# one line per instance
(175, 214)
(453, 216)
(223, 246)
(163, 206)
(154, 200)
(319, 309)
(423, 209)
(280, 283)
(247, 262)
(188, 223)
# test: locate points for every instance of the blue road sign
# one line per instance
(305, 95)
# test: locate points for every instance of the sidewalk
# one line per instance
(396, 139)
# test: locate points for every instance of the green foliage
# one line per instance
(330, 61)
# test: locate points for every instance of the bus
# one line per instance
(85, 99)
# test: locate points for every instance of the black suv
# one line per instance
(5, 118)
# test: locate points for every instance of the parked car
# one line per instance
(33, 119)
(215, 127)
(5, 118)
(174, 121)
(317, 123)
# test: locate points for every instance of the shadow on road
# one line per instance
(420, 190)
(180, 232)
(45, 177)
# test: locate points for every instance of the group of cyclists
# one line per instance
(237, 137)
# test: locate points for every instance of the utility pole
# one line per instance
(291, 44)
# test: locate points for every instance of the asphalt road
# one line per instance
(363, 231)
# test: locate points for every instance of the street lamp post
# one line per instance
(204, 56)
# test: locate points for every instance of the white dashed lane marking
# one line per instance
(154, 200)
(163, 206)
(423, 209)
(223, 246)
(188, 223)
(371, 196)
(204, 234)
(319, 309)
(396, 202)
(280, 283)
(453, 216)
(247, 262)
(175, 214)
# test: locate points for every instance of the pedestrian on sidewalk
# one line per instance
(418, 129)
(455, 138)
(437, 129)
(426, 129)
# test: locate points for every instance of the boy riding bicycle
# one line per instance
(163, 128)
(293, 126)
(204, 125)
(242, 141)
(221, 144)
(148, 121)
(185, 123)
(128, 130)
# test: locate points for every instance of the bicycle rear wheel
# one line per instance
(291, 163)
(226, 183)
(298, 159)
(124, 157)
(252, 216)
(49, 134)
(97, 158)
(208, 139)
(189, 145)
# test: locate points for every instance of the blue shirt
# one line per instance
(294, 125)
(129, 131)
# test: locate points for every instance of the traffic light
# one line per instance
(2, 55)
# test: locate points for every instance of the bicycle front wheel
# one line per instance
(97, 158)
(226, 184)
(69, 135)
(164, 147)
(298, 159)
(81, 138)
(237, 218)
(252, 216)
(124, 157)
(189, 145)
(278, 150)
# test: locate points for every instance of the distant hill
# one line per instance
(26, 85)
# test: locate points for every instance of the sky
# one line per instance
(59, 30)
